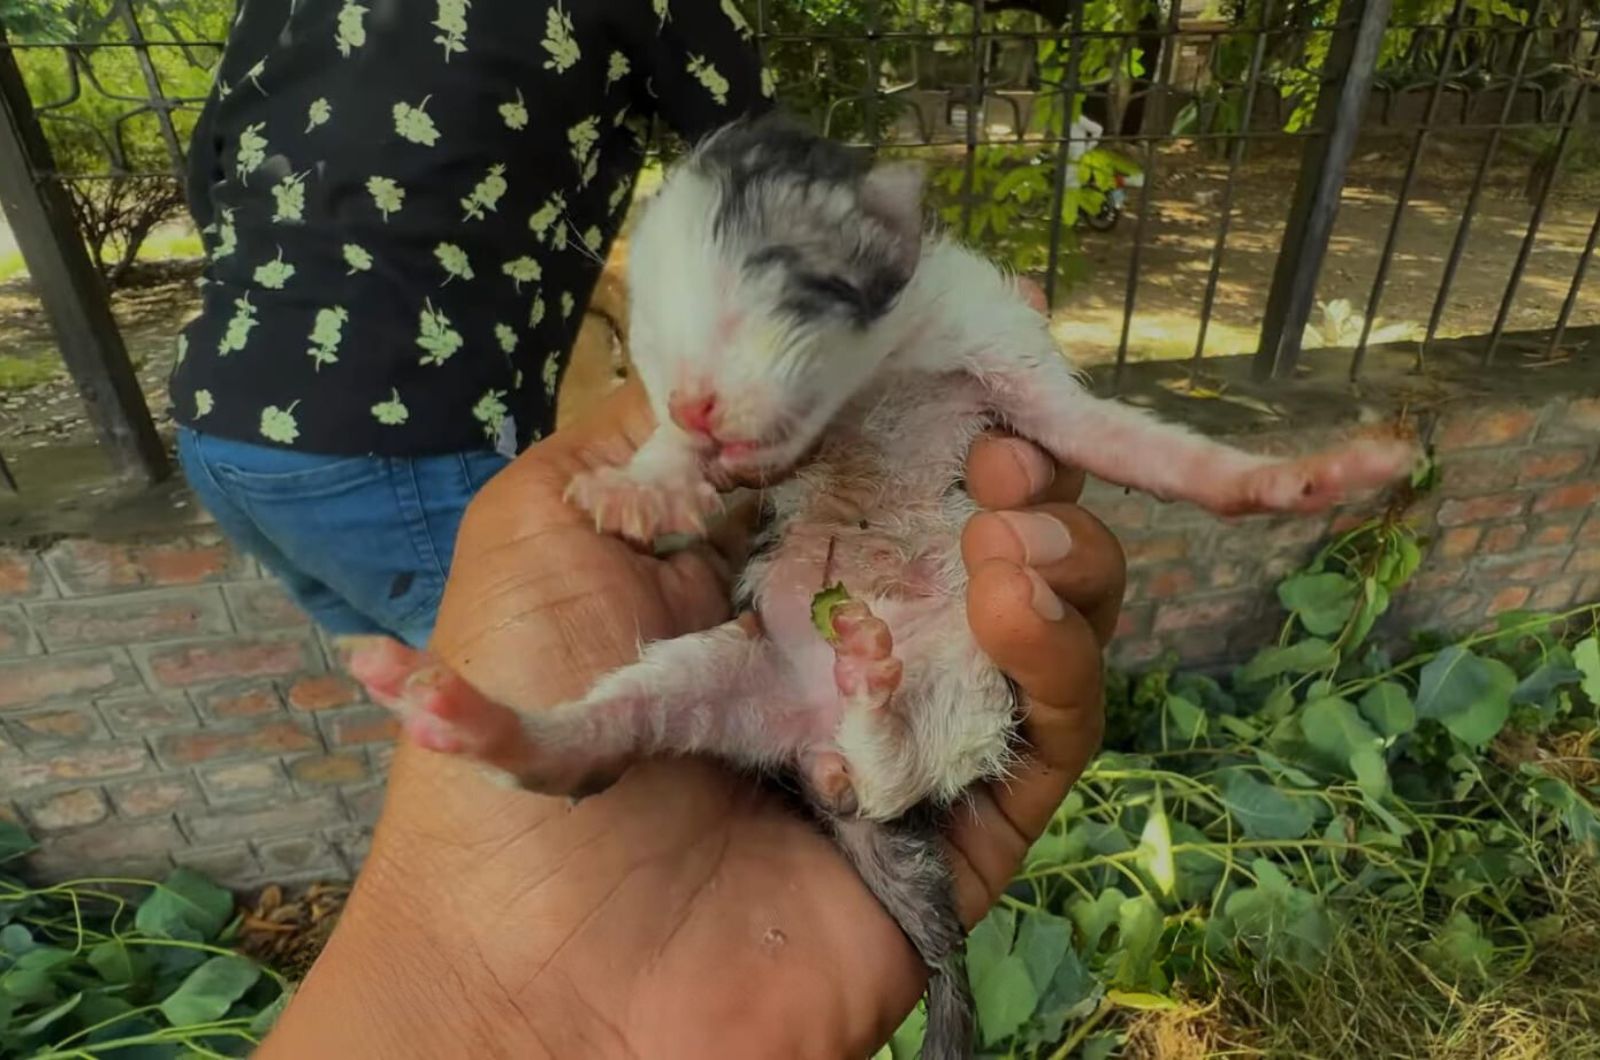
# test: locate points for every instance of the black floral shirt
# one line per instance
(406, 204)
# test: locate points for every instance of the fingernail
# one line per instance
(1038, 471)
(1045, 602)
(1044, 540)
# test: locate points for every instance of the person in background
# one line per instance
(405, 206)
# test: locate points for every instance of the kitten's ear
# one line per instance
(892, 193)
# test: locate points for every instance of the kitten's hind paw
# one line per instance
(1317, 482)
(640, 510)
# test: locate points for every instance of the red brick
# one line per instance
(1226, 575)
(1481, 509)
(366, 804)
(230, 865)
(1203, 614)
(1553, 534)
(146, 798)
(235, 702)
(1149, 550)
(1474, 473)
(1547, 464)
(1589, 532)
(264, 605)
(1427, 581)
(1582, 414)
(141, 714)
(1502, 539)
(296, 816)
(86, 567)
(91, 763)
(1589, 591)
(324, 692)
(1473, 429)
(243, 780)
(282, 737)
(72, 725)
(70, 809)
(1344, 522)
(298, 856)
(1165, 584)
(1459, 606)
(181, 666)
(1536, 569)
(330, 769)
(364, 726)
(1462, 541)
(131, 619)
(22, 576)
(108, 847)
(16, 638)
(1554, 596)
(1565, 498)
(1509, 599)
(1132, 621)
(38, 680)
(1586, 561)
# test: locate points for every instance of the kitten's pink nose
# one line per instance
(692, 412)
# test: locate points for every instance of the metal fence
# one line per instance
(995, 94)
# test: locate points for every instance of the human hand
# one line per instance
(685, 911)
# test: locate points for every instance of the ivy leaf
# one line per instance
(1586, 656)
(1535, 689)
(1301, 657)
(185, 906)
(990, 941)
(1043, 941)
(1155, 848)
(1073, 994)
(116, 962)
(1264, 812)
(1336, 729)
(1187, 721)
(1094, 916)
(1133, 963)
(1468, 694)
(210, 990)
(1460, 947)
(1005, 997)
(1387, 705)
(267, 1017)
(1322, 602)
(1278, 921)
(15, 940)
(14, 841)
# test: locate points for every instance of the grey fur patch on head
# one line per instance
(844, 235)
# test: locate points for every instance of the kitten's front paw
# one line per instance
(643, 511)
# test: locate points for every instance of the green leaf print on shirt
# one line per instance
(543, 222)
(486, 195)
(583, 137)
(351, 32)
(436, 336)
(769, 83)
(736, 16)
(278, 425)
(326, 334)
(536, 313)
(275, 273)
(387, 196)
(318, 113)
(707, 74)
(560, 41)
(617, 68)
(594, 239)
(182, 348)
(491, 412)
(290, 196)
(452, 27)
(506, 338)
(239, 327)
(515, 114)
(521, 271)
(357, 258)
(567, 305)
(620, 193)
(252, 149)
(203, 403)
(550, 375)
(253, 75)
(454, 262)
(661, 11)
(413, 124)
(227, 236)
(393, 412)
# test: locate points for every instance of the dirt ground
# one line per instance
(1181, 232)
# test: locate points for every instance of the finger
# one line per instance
(1075, 554)
(1053, 656)
(1004, 471)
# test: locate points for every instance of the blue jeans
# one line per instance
(362, 543)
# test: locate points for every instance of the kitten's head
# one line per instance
(760, 276)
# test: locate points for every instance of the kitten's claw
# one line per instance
(641, 510)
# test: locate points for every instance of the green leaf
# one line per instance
(1301, 657)
(1460, 947)
(1185, 720)
(823, 604)
(1322, 602)
(210, 990)
(267, 1017)
(15, 940)
(1387, 705)
(1277, 921)
(1133, 963)
(907, 1041)
(990, 941)
(1264, 812)
(1279, 768)
(1371, 771)
(1155, 848)
(1536, 688)
(42, 1021)
(1586, 656)
(1042, 941)
(116, 963)
(30, 986)
(1468, 694)
(14, 841)
(185, 906)
(1005, 998)
(1095, 916)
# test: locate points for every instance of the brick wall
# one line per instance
(160, 702)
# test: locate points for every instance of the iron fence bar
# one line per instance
(1540, 202)
(1236, 157)
(1463, 230)
(870, 101)
(158, 101)
(1159, 92)
(1352, 56)
(1058, 190)
(1419, 143)
(1571, 301)
(71, 289)
(975, 109)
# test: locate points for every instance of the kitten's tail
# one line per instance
(903, 865)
